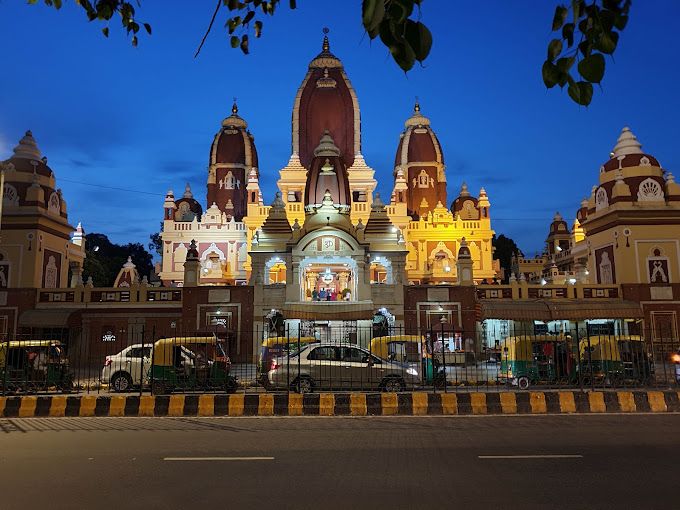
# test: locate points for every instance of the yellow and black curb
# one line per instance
(344, 404)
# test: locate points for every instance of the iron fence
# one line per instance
(336, 359)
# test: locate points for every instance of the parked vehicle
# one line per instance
(339, 366)
(129, 368)
(601, 360)
(190, 364)
(638, 362)
(412, 350)
(275, 347)
(34, 365)
(540, 359)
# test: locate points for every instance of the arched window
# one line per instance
(650, 191)
(10, 195)
(53, 204)
(601, 199)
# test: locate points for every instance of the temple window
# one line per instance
(423, 179)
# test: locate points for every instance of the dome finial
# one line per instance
(325, 47)
(234, 107)
(416, 107)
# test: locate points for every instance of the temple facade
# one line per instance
(326, 107)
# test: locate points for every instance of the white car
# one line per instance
(130, 367)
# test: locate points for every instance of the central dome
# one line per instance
(326, 101)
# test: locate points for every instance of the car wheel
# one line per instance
(304, 385)
(523, 382)
(393, 385)
(121, 382)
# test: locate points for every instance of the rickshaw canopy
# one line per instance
(379, 345)
(21, 344)
(602, 348)
(163, 349)
(520, 348)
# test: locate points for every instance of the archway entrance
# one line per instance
(328, 279)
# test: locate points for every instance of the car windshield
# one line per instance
(294, 351)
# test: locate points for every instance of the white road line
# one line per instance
(195, 459)
(530, 456)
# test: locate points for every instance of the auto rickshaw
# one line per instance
(34, 365)
(601, 360)
(638, 363)
(190, 363)
(412, 350)
(527, 360)
(275, 347)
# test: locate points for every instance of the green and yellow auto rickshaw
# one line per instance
(411, 350)
(34, 365)
(190, 364)
(275, 347)
(537, 359)
(601, 360)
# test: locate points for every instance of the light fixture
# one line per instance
(587, 272)
(543, 282)
(394, 230)
(447, 269)
(572, 281)
(558, 248)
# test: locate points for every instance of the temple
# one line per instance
(324, 255)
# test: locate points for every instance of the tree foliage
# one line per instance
(591, 33)
(584, 39)
(504, 249)
(104, 259)
(156, 243)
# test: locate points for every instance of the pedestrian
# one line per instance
(322, 295)
(315, 295)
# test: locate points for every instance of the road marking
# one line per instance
(548, 456)
(193, 459)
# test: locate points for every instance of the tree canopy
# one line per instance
(504, 249)
(591, 32)
(104, 259)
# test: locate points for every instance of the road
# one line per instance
(571, 462)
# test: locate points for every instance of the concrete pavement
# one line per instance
(579, 461)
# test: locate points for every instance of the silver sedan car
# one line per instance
(338, 366)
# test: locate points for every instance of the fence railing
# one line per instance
(319, 357)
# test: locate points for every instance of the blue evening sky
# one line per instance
(121, 125)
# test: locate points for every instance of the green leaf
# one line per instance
(607, 42)
(105, 31)
(234, 41)
(551, 74)
(400, 10)
(293, 4)
(419, 38)
(592, 68)
(258, 28)
(147, 27)
(620, 21)
(568, 34)
(403, 55)
(248, 17)
(581, 92)
(244, 44)
(560, 17)
(373, 12)
(565, 63)
(554, 49)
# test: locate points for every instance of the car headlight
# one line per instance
(411, 371)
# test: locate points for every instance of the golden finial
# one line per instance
(416, 107)
(326, 45)
(234, 107)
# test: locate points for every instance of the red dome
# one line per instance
(326, 102)
(234, 144)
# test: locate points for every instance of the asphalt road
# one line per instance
(570, 462)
